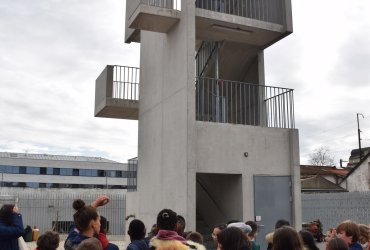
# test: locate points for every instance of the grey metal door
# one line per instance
(272, 201)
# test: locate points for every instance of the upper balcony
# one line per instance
(150, 15)
(217, 100)
(117, 93)
(259, 23)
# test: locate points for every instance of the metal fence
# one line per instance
(263, 10)
(132, 175)
(168, 4)
(243, 103)
(333, 208)
(204, 56)
(126, 82)
(52, 209)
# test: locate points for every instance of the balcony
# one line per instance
(154, 15)
(259, 23)
(117, 93)
(243, 103)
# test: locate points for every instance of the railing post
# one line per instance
(109, 86)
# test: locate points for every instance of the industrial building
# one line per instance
(44, 187)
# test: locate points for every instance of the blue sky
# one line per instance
(51, 52)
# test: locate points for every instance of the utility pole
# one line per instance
(359, 134)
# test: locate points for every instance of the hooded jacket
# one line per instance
(9, 234)
(73, 240)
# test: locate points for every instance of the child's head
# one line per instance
(48, 241)
(348, 231)
(136, 230)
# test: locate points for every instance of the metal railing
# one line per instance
(263, 10)
(203, 56)
(132, 175)
(168, 4)
(244, 103)
(126, 82)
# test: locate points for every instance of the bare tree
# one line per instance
(322, 157)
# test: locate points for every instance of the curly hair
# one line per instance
(48, 241)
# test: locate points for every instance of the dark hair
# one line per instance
(136, 230)
(195, 236)
(308, 240)
(6, 213)
(281, 223)
(181, 219)
(167, 219)
(48, 241)
(337, 244)
(103, 223)
(221, 226)
(254, 227)
(84, 215)
(350, 229)
(233, 238)
(286, 237)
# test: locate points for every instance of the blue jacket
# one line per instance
(138, 245)
(9, 234)
(73, 240)
(355, 246)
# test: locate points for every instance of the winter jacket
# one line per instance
(9, 234)
(73, 240)
(167, 239)
(355, 246)
(138, 245)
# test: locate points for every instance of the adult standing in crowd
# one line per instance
(11, 227)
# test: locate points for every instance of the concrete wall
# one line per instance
(359, 179)
(333, 208)
(221, 147)
(166, 109)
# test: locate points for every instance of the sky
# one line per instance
(51, 52)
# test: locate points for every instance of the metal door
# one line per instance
(272, 201)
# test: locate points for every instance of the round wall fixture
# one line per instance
(245, 154)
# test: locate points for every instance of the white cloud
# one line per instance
(52, 51)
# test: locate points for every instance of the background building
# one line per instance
(61, 171)
(46, 185)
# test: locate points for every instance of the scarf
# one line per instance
(169, 235)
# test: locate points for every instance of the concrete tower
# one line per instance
(215, 142)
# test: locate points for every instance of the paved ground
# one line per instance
(321, 245)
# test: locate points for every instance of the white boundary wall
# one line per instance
(41, 207)
(333, 208)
